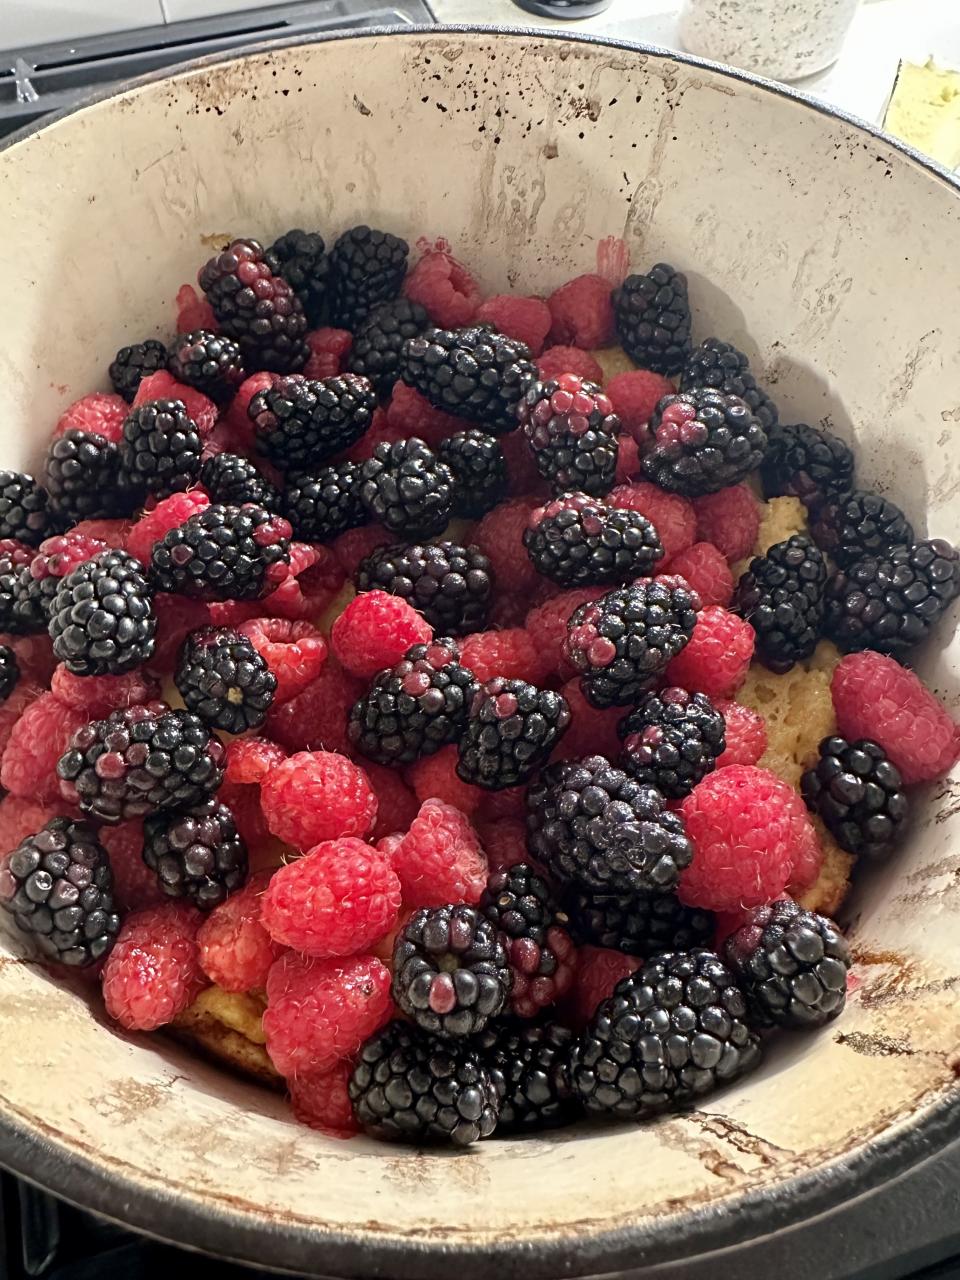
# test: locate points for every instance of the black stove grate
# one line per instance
(49, 77)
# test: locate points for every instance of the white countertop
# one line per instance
(860, 82)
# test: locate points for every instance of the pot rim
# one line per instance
(156, 1210)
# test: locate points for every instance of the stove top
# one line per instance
(49, 77)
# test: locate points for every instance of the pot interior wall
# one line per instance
(826, 254)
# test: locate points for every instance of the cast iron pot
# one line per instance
(827, 252)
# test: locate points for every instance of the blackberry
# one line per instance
(859, 524)
(223, 553)
(792, 965)
(671, 740)
(703, 441)
(577, 540)
(82, 478)
(858, 792)
(590, 823)
(540, 951)
(58, 887)
(639, 924)
(406, 489)
(141, 759)
(449, 584)
(652, 315)
(232, 479)
(890, 602)
(25, 512)
(208, 361)
(529, 1065)
(224, 680)
(479, 471)
(300, 258)
(410, 1085)
(9, 672)
(782, 597)
(366, 268)
(256, 308)
(807, 463)
(671, 1032)
(511, 729)
(721, 366)
(473, 373)
(160, 449)
(196, 855)
(378, 341)
(21, 611)
(622, 642)
(132, 364)
(322, 505)
(101, 618)
(299, 424)
(572, 432)
(450, 972)
(414, 708)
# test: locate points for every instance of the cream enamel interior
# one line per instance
(831, 257)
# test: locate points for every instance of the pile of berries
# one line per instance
(451, 764)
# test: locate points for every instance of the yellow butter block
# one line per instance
(924, 111)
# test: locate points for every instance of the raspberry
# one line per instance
(166, 515)
(153, 972)
(98, 413)
(14, 707)
(748, 827)
(874, 697)
(329, 349)
(37, 741)
(317, 796)
(435, 777)
(396, 804)
(440, 859)
(547, 627)
(135, 885)
(316, 719)
(321, 1100)
(745, 734)
(356, 544)
(193, 312)
(34, 656)
(505, 844)
(388, 845)
(294, 651)
(582, 313)
(113, 533)
(249, 760)
(339, 898)
(176, 618)
(730, 520)
(511, 653)
(635, 395)
(163, 386)
(628, 460)
(706, 570)
(528, 319)
(321, 1011)
(559, 359)
(97, 696)
(237, 418)
(412, 414)
(807, 865)
(499, 535)
(592, 731)
(444, 287)
(243, 801)
(313, 581)
(598, 972)
(671, 516)
(375, 631)
(717, 657)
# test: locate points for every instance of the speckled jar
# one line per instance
(782, 39)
